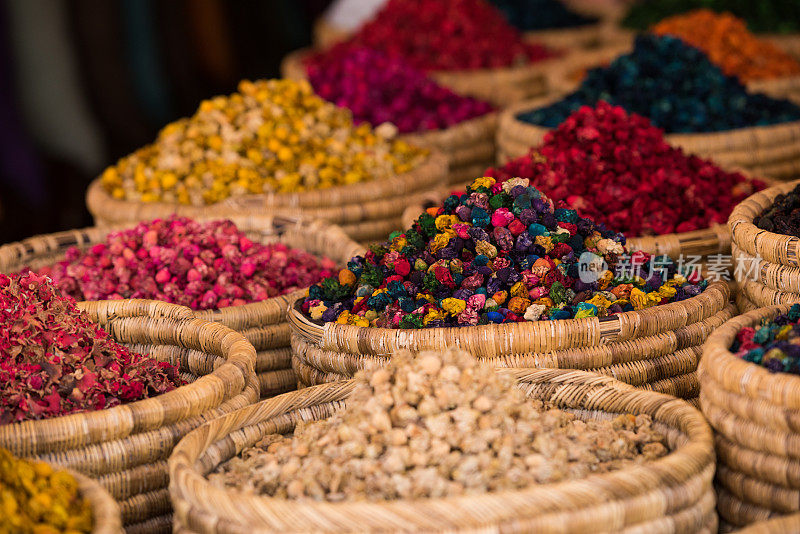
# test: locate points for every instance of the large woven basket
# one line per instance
(469, 146)
(125, 448)
(367, 212)
(105, 511)
(671, 494)
(501, 87)
(768, 264)
(657, 348)
(262, 323)
(772, 151)
(755, 414)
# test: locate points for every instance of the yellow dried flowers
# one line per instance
(36, 499)
(273, 136)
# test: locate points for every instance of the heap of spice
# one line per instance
(763, 16)
(54, 361)
(728, 43)
(673, 84)
(200, 265)
(444, 35)
(36, 499)
(272, 136)
(530, 15)
(502, 252)
(783, 216)
(377, 89)
(642, 188)
(437, 425)
(774, 345)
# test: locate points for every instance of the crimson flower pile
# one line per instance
(377, 88)
(617, 168)
(444, 35)
(54, 361)
(200, 265)
(502, 252)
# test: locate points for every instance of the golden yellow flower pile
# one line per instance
(36, 499)
(273, 136)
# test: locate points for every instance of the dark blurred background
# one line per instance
(84, 82)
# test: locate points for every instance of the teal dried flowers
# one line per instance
(774, 345)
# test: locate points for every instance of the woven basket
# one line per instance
(780, 525)
(756, 416)
(367, 212)
(768, 263)
(655, 349)
(501, 87)
(671, 494)
(772, 151)
(125, 448)
(105, 511)
(262, 323)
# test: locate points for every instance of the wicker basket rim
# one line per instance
(605, 394)
(106, 515)
(240, 361)
(316, 330)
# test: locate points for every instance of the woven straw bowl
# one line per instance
(671, 494)
(105, 511)
(262, 323)
(756, 418)
(125, 448)
(367, 212)
(657, 348)
(502, 87)
(771, 151)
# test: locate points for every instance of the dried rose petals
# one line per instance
(54, 361)
(646, 187)
(200, 265)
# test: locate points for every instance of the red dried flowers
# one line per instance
(200, 265)
(616, 168)
(377, 88)
(54, 361)
(445, 35)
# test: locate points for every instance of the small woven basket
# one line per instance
(501, 87)
(105, 511)
(125, 448)
(772, 151)
(756, 418)
(367, 212)
(671, 494)
(657, 348)
(262, 323)
(768, 265)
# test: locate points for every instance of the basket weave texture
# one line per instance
(366, 212)
(767, 264)
(105, 511)
(779, 525)
(671, 494)
(125, 448)
(262, 323)
(756, 418)
(657, 348)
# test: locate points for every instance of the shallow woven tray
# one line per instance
(756, 418)
(363, 210)
(657, 348)
(501, 87)
(262, 323)
(671, 494)
(771, 151)
(124, 448)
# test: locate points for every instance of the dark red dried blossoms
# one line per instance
(200, 265)
(54, 361)
(445, 35)
(616, 168)
(377, 88)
